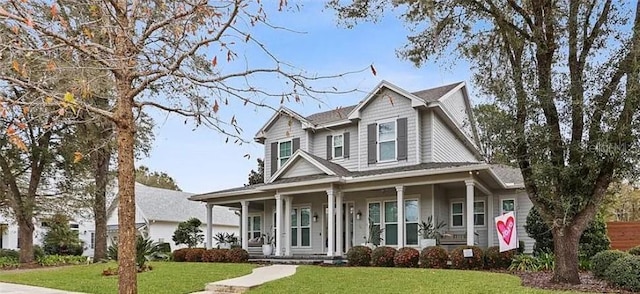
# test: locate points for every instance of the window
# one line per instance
(411, 215)
(374, 215)
(255, 227)
(284, 152)
(478, 213)
(391, 222)
(457, 214)
(387, 141)
(301, 227)
(508, 205)
(338, 146)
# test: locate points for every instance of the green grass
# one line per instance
(369, 280)
(166, 277)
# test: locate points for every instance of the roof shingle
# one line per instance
(330, 116)
(433, 94)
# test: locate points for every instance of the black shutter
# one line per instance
(329, 147)
(295, 145)
(274, 157)
(345, 143)
(402, 138)
(371, 143)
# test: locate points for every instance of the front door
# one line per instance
(348, 215)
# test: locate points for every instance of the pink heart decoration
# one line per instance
(505, 230)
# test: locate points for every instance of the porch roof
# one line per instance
(508, 177)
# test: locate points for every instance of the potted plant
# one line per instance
(223, 239)
(268, 240)
(375, 236)
(429, 233)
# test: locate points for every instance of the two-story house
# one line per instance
(395, 158)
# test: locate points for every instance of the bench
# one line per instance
(453, 239)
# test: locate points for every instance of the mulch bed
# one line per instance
(589, 283)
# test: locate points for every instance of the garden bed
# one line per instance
(542, 280)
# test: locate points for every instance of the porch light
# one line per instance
(358, 215)
(315, 218)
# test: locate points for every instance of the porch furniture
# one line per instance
(453, 239)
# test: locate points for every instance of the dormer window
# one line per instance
(284, 152)
(338, 146)
(387, 141)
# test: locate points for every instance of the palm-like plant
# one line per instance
(146, 250)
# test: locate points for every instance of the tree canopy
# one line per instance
(257, 177)
(155, 179)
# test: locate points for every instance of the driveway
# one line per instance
(7, 288)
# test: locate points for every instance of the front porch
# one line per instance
(465, 201)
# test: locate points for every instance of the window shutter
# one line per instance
(402, 138)
(345, 143)
(371, 143)
(295, 145)
(329, 147)
(274, 157)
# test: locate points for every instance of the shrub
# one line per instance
(407, 257)
(164, 247)
(359, 256)
(524, 263)
(625, 273)
(601, 261)
(188, 233)
(8, 262)
(584, 262)
(60, 239)
(494, 259)
(458, 260)
(434, 257)
(55, 260)
(38, 252)
(546, 261)
(237, 255)
(383, 256)
(194, 254)
(215, 255)
(10, 253)
(593, 240)
(180, 255)
(635, 250)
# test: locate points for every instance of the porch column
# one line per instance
(287, 225)
(490, 221)
(470, 190)
(339, 229)
(400, 203)
(279, 227)
(244, 224)
(209, 226)
(331, 232)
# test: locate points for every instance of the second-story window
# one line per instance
(284, 152)
(338, 146)
(387, 141)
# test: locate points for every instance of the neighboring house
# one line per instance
(395, 158)
(9, 232)
(159, 211)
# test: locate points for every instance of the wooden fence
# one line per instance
(623, 235)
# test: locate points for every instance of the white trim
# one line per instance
(260, 135)
(418, 122)
(415, 101)
(453, 126)
(418, 200)
(395, 139)
(333, 146)
(299, 228)
(278, 158)
(461, 202)
(515, 204)
(299, 153)
(484, 212)
(417, 173)
(383, 223)
(450, 93)
(250, 217)
(490, 228)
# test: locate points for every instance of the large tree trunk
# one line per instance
(566, 243)
(25, 235)
(126, 201)
(101, 171)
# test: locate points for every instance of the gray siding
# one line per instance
(446, 145)
(458, 109)
(388, 105)
(523, 205)
(283, 128)
(426, 130)
(319, 145)
(302, 168)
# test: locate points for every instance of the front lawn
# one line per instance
(316, 279)
(166, 277)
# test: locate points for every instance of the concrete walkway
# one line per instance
(258, 277)
(7, 288)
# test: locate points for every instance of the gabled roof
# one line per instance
(327, 167)
(331, 116)
(283, 110)
(510, 176)
(415, 100)
(174, 206)
(434, 94)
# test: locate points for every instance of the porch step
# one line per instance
(297, 259)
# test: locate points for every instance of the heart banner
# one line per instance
(506, 228)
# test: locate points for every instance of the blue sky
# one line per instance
(200, 161)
